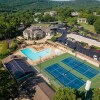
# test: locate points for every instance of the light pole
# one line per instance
(34, 38)
(87, 87)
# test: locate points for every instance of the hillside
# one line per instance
(14, 5)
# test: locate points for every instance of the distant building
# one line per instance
(46, 13)
(74, 13)
(37, 14)
(95, 14)
(53, 13)
(81, 20)
(36, 19)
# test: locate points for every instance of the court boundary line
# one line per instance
(75, 68)
(63, 83)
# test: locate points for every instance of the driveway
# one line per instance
(64, 35)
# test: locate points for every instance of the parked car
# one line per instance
(95, 57)
(66, 43)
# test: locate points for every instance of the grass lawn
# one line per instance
(88, 27)
(58, 35)
(95, 80)
(1, 44)
(3, 47)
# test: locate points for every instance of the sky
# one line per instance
(67, 0)
(62, 0)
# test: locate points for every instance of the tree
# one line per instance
(14, 45)
(83, 15)
(98, 12)
(0, 63)
(6, 84)
(96, 94)
(65, 94)
(84, 32)
(71, 21)
(53, 39)
(97, 26)
(74, 29)
(91, 19)
(64, 13)
(48, 18)
(68, 94)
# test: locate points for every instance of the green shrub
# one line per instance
(73, 51)
(4, 47)
(13, 45)
(0, 63)
(53, 39)
(83, 43)
(74, 29)
(95, 47)
(4, 50)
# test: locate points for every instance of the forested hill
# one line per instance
(14, 5)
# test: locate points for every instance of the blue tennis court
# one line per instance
(65, 77)
(80, 67)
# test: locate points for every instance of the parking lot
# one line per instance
(76, 45)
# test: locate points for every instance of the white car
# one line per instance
(95, 57)
(66, 43)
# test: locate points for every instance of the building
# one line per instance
(44, 92)
(46, 13)
(34, 32)
(81, 20)
(38, 32)
(95, 14)
(74, 14)
(18, 68)
(53, 13)
(50, 31)
(36, 19)
(36, 89)
(38, 13)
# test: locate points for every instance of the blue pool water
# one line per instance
(32, 55)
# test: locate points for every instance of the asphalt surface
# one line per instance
(76, 45)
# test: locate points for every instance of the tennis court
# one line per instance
(80, 67)
(64, 76)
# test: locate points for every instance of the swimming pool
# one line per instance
(32, 55)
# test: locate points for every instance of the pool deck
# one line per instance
(38, 48)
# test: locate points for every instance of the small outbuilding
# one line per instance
(81, 20)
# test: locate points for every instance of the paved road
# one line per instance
(64, 35)
(77, 46)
